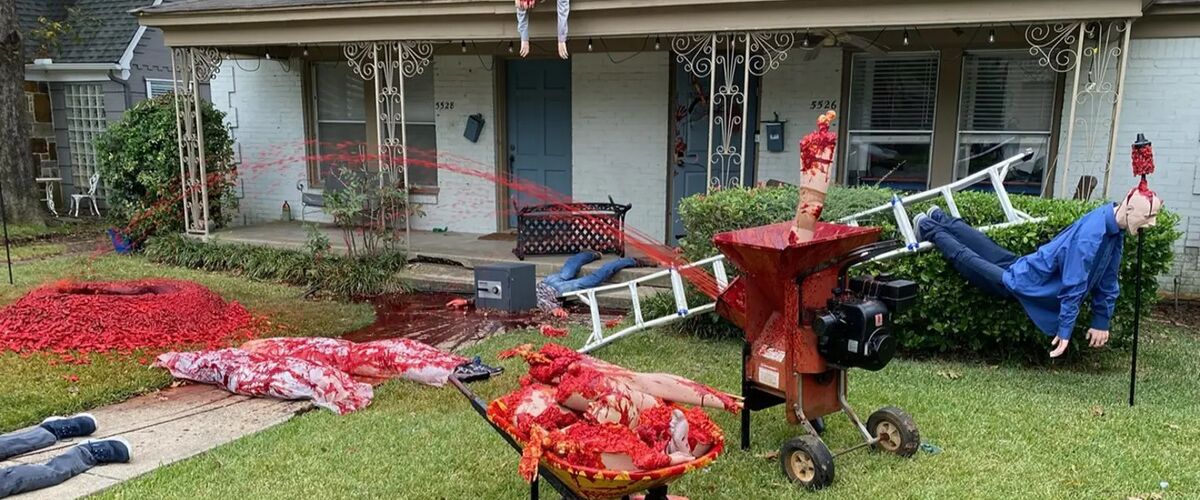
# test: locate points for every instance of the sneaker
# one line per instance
(916, 225)
(82, 424)
(934, 212)
(644, 262)
(110, 450)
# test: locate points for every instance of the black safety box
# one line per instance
(505, 286)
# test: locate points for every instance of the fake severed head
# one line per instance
(1139, 208)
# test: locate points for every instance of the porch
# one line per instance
(442, 261)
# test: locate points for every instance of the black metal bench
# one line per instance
(568, 228)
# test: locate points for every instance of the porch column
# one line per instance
(1095, 53)
(190, 67)
(387, 64)
(728, 60)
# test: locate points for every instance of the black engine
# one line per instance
(855, 328)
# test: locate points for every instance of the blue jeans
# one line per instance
(29, 477)
(566, 282)
(975, 256)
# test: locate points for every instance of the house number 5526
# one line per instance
(443, 105)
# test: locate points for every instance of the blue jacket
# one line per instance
(1084, 258)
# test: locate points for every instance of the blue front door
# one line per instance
(689, 174)
(539, 128)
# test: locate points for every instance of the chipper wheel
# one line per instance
(896, 431)
(807, 461)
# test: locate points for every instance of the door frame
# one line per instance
(756, 90)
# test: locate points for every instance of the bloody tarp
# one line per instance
(124, 316)
(319, 369)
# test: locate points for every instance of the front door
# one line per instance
(689, 174)
(539, 129)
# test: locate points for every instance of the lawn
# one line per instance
(31, 389)
(1003, 431)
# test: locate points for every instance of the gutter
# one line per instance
(45, 70)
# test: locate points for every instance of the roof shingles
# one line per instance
(107, 29)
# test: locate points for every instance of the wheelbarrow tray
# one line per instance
(588, 483)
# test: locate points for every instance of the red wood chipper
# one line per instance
(806, 323)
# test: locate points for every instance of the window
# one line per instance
(342, 105)
(85, 121)
(892, 101)
(156, 87)
(1007, 106)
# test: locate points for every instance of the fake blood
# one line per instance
(73, 319)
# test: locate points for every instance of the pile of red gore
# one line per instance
(124, 316)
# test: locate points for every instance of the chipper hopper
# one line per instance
(806, 323)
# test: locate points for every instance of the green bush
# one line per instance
(138, 159)
(952, 316)
(340, 276)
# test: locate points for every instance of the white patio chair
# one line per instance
(93, 183)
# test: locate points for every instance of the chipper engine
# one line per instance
(806, 323)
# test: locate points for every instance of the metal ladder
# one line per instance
(897, 206)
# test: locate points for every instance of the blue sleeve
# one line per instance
(564, 11)
(1104, 299)
(523, 24)
(1077, 264)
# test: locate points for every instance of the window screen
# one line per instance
(892, 107)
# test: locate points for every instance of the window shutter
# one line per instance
(894, 92)
(1005, 91)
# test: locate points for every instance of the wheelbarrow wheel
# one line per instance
(896, 431)
(807, 461)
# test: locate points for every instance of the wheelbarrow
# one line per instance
(585, 483)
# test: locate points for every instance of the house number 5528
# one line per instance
(443, 105)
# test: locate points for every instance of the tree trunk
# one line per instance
(17, 170)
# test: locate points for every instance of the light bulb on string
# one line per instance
(510, 47)
(268, 54)
(805, 42)
(589, 44)
(464, 46)
(992, 35)
(905, 39)
(305, 52)
(657, 44)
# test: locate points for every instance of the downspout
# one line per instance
(124, 83)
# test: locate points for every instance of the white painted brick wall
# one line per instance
(264, 111)
(620, 132)
(1160, 101)
(465, 202)
(790, 91)
(1161, 86)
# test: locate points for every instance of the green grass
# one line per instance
(1005, 432)
(20, 233)
(37, 251)
(31, 389)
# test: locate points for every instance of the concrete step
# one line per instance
(430, 277)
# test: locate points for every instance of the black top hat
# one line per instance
(1141, 140)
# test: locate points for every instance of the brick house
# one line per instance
(76, 89)
(928, 91)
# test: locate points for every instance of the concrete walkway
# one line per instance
(165, 427)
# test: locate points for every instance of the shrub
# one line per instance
(953, 316)
(138, 159)
(340, 276)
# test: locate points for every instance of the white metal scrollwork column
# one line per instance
(190, 67)
(728, 60)
(1091, 50)
(388, 64)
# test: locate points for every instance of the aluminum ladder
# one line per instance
(897, 207)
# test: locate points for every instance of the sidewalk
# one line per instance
(166, 427)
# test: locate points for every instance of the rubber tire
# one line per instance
(910, 437)
(816, 450)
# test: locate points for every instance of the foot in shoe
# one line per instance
(644, 262)
(916, 225)
(114, 450)
(82, 424)
(934, 212)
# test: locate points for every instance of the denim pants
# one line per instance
(29, 477)
(975, 256)
(566, 282)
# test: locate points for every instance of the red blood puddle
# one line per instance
(425, 317)
(77, 318)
